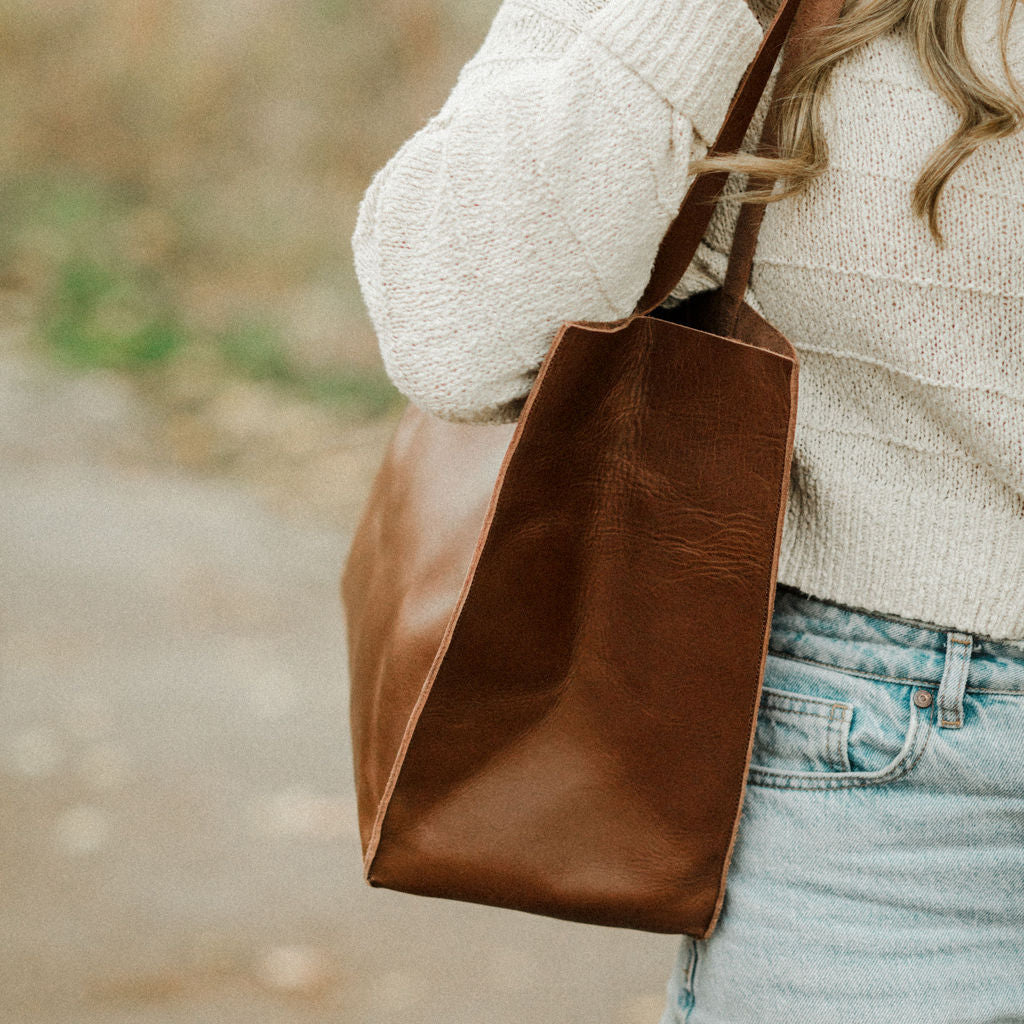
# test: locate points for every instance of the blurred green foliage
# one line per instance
(186, 172)
(99, 302)
(257, 352)
(98, 317)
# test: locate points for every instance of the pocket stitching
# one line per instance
(841, 754)
(902, 765)
(838, 711)
(773, 696)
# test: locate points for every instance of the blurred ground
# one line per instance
(179, 840)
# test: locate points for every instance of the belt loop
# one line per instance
(954, 679)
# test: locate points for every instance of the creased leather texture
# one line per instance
(557, 627)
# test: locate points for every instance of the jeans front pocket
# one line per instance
(820, 726)
(802, 733)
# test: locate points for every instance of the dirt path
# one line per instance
(179, 838)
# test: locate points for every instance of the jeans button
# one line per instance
(923, 699)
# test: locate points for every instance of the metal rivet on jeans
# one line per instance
(923, 699)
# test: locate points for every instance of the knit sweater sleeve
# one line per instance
(541, 190)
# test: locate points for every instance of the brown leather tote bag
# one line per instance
(557, 627)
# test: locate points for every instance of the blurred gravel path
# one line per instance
(179, 840)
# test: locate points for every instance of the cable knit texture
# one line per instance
(540, 191)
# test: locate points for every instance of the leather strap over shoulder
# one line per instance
(748, 223)
(680, 242)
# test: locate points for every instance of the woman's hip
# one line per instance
(878, 871)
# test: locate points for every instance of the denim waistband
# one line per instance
(887, 646)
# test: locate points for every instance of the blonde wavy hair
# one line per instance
(936, 28)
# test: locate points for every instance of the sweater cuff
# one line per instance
(693, 53)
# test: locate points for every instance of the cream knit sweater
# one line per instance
(540, 192)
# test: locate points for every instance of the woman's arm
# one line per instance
(541, 190)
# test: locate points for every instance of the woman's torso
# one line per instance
(911, 357)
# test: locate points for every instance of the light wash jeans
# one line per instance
(878, 872)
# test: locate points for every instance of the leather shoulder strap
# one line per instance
(680, 242)
(748, 223)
